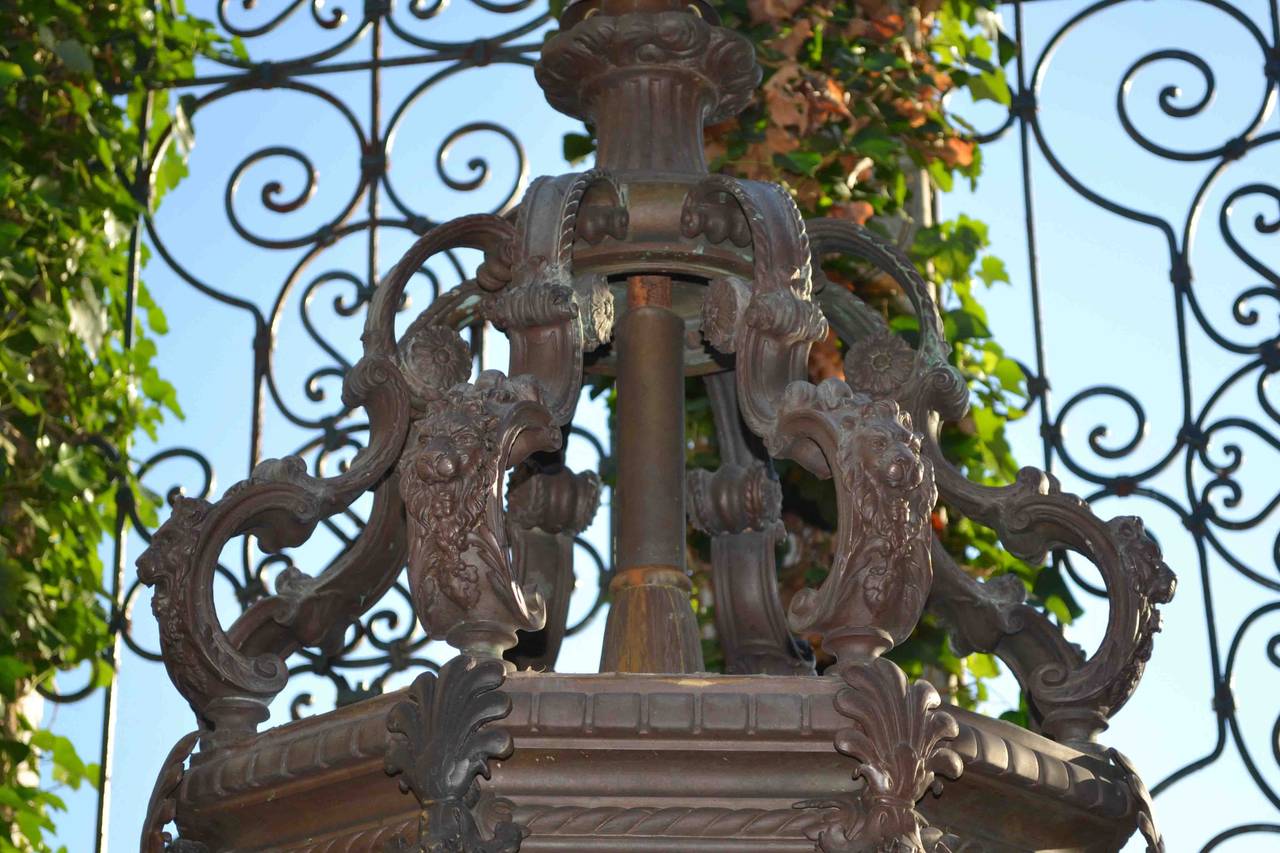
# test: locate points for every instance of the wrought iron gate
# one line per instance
(1198, 476)
(1189, 462)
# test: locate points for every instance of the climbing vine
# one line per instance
(77, 379)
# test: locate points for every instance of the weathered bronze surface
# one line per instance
(650, 268)
(632, 762)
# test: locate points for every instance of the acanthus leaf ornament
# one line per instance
(898, 738)
(162, 807)
(441, 741)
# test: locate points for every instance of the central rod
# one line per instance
(651, 625)
(651, 428)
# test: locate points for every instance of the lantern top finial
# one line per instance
(648, 75)
(579, 10)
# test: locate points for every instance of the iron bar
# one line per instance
(124, 499)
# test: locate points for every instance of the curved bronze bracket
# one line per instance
(550, 314)
(545, 511)
(739, 507)
(880, 576)
(229, 677)
(1072, 696)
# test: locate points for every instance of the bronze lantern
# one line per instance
(652, 270)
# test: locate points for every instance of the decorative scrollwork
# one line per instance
(479, 166)
(1201, 442)
(876, 363)
(1008, 622)
(230, 676)
(333, 19)
(1071, 696)
(312, 617)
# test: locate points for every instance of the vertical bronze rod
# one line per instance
(651, 626)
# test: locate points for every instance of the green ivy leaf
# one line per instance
(803, 162)
(63, 371)
(982, 665)
(578, 147)
(74, 56)
(992, 269)
(990, 86)
(12, 672)
(10, 72)
(875, 143)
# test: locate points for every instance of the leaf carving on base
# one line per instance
(163, 805)
(440, 744)
(898, 738)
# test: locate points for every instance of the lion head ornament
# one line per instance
(891, 484)
(447, 472)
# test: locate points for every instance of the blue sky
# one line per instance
(1108, 307)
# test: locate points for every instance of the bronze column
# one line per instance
(651, 625)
